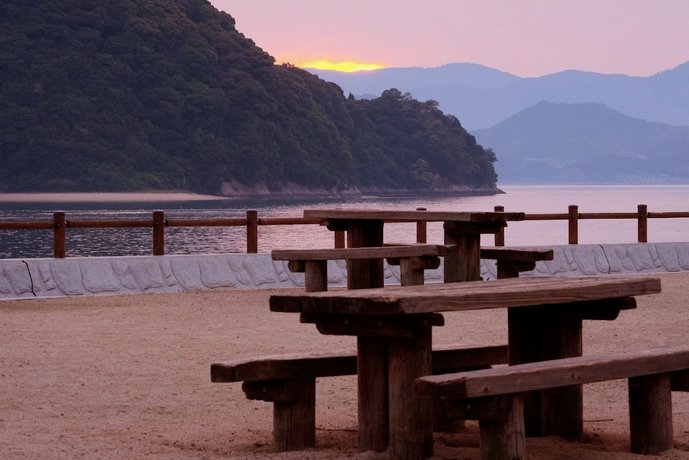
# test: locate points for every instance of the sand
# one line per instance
(128, 377)
(104, 197)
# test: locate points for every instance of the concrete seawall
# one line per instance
(32, 278)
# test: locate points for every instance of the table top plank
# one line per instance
(474, 295)
(412, 216)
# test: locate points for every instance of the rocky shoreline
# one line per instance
(290, 190)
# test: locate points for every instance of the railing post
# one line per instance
(573, 224)
(251, 232)
(158, 233)
(59, 226)
(340, 238)
(500, 236)
(643, 223)
(421, 229)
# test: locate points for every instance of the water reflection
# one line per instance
(218, 240)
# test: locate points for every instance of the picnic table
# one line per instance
(364, 228)
(398, 322)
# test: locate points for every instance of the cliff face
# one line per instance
(124, 95)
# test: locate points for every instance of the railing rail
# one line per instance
(59, 224)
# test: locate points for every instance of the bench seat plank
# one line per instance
(343, 362)
(380, 252)
(495, 396)
(517, 254)
(554, 373)
(289, 382)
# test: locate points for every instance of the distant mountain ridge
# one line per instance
(588, 143)
(482, 97)
(568, 127)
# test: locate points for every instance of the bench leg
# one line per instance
(503, 438)
(316, 275)
(444, 424)
(411, 274)
(294, 410)
(511, 269)
(650, 414)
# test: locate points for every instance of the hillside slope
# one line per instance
(123, 95)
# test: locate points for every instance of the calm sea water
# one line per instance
(214, 240)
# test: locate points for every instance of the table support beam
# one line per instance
(372, 372)
(365, 273)
(411, 419)
(541, 334)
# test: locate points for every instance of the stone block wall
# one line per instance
(31, 278)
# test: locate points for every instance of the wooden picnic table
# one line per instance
(364, 228)
(542, 312)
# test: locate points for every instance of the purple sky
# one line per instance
(524, 37)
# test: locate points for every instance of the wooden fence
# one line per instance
(59, 225)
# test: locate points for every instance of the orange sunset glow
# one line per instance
(343, 66)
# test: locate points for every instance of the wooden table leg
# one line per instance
(411, 419)
(540, 334)
(372, 352)
(467, 265)
(372, 375)
(365, 273)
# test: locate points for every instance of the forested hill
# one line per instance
(124, 95)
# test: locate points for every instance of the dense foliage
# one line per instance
(115, 95)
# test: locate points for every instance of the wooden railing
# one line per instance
(59, 224)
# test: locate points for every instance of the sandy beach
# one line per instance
(128, 377)
(104, 197)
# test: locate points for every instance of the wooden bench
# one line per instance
(495, 396)
(289, 382)
(512, 261)
(413, 260)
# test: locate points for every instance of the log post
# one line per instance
(421, 229)
(643, 223)
(573, 224)
(650, 414)
(503, 437)
(500, 236)
(411, 419)
(59, 226)
(158, 233)
(315, 275)
(294, 419)
(251, 232)
(340, 236)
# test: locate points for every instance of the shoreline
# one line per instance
(104, 197)
(171, 196)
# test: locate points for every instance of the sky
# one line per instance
(524, 37)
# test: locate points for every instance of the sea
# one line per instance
(218, 240)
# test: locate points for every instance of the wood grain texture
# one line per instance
(505, 293)
(383, 252)
(554, 373)
(343, 362)
(410, 216)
